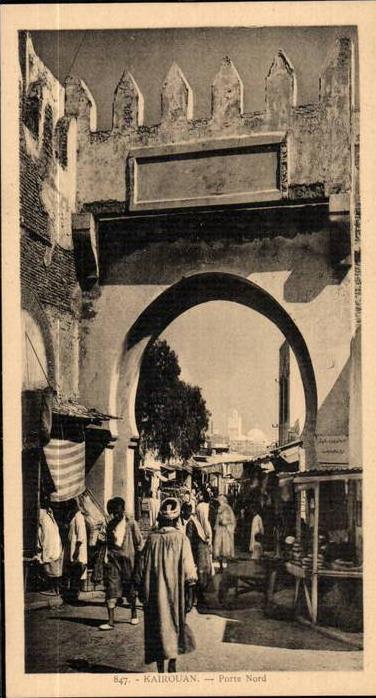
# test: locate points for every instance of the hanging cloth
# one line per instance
(66, 462)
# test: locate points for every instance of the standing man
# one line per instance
(155, 499)
(200, 541)
(225, 525)
(75, 553)
(50, 549)
(168, 577)
(124, 541)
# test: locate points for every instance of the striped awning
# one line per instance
(66, 462)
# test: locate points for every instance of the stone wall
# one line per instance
(47, 199)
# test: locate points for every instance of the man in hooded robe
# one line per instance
(200, 540)
(168, 575)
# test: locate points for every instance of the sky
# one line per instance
(230, 351)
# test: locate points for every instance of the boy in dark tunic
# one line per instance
(124, 541)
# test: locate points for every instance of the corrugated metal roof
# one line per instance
(73, 409)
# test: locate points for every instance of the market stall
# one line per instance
(328, 541)
(158, 480)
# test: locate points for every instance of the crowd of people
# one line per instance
(171, 571)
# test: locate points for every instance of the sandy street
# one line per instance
(68, 640)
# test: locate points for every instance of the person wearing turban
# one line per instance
(167, 578)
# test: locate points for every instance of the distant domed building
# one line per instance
(257, 436)
(252, 444)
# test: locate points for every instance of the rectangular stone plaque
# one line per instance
(246, 169)
(332, 449)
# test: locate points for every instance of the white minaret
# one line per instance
(234, 426)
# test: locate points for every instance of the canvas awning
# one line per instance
(326, 474)
(72, 409)
(153, 464)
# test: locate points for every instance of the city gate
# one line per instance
(258, 208)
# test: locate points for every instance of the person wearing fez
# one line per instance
(167, 578)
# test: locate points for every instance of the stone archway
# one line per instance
(185, 294)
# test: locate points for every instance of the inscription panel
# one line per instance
(332, 449)
(228, 171)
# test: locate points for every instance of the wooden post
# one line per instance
(315, 553)
(298, 516)
(296, 593)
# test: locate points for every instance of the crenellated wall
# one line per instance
(318, 134)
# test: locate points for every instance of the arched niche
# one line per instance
(37, 345)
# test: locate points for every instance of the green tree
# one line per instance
(172, 415)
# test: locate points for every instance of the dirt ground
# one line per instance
(238, 638)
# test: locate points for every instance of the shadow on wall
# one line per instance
(309, 277)
(333, 414)
(162, 252)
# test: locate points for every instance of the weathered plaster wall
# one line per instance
(47, 199)
(297, 272)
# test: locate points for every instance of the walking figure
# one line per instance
(124, 541)
(168, 576)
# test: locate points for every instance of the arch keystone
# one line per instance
(227, 92)
(128, 104)
(177, 96)
(280, 90)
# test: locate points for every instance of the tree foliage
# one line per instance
(172, 415)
